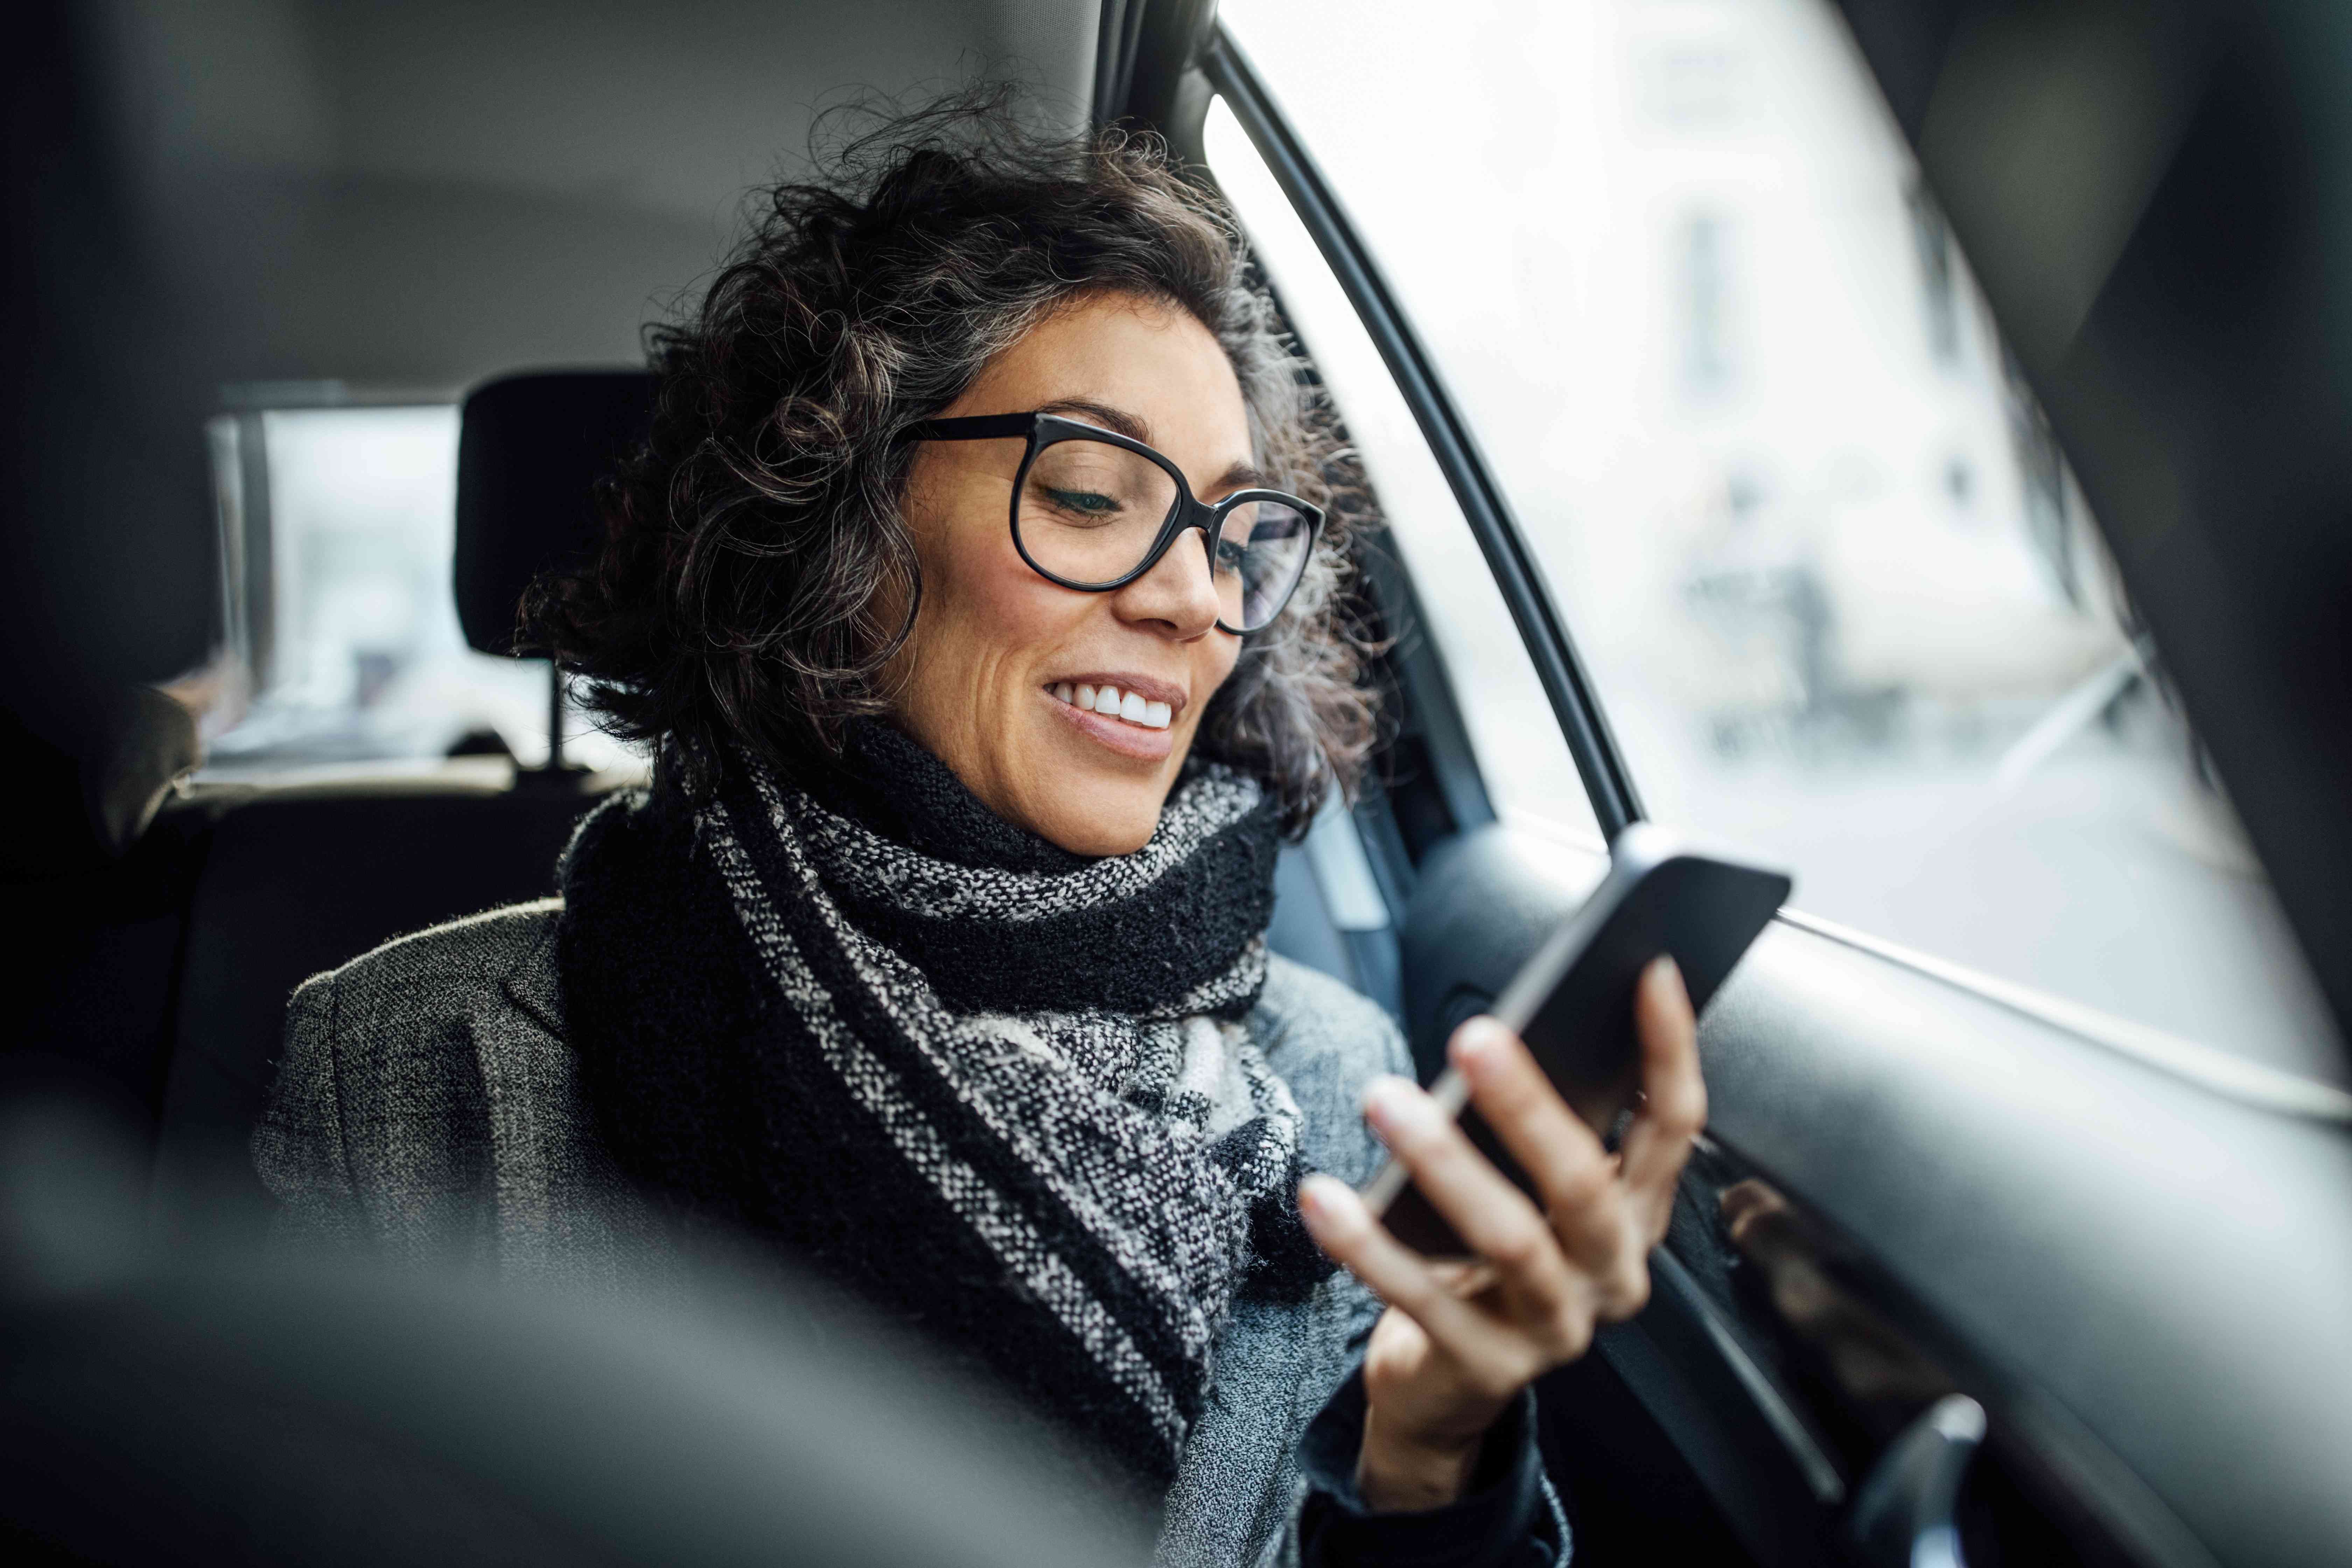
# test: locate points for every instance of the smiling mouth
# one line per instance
(1127, 706)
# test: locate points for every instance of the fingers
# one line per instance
(1585, 1254)
(1674, 1111)
(1485, 1209)
(1570, 1170)
(1491, 1352)
(1345, 1229)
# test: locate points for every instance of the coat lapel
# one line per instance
(534, 983)
(565, 1212)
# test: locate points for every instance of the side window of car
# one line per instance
(1838, 593)
(1529, 773)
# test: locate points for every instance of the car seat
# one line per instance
(295, 880)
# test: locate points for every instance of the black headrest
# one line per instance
(531, 451)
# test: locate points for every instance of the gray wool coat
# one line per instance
(428, 1110)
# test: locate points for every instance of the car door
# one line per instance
(2020, 1231)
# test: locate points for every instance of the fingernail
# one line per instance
(1322, 1197)
(1475, 1043)
(1392, 1102)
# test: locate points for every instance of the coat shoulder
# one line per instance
(1305, 1012)
(391, 1062)
(470, 971)
(429, 1107)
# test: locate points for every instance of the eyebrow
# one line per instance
(1101, 413)
(1240, 476)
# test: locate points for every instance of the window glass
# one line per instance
(1521, 753)
(1841, 599)
(346, 616)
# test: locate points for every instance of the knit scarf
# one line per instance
(1005, 1093)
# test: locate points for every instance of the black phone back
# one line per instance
(1572, 1003)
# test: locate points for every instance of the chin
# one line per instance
(1119, 830)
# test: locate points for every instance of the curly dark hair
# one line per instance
(756, 575)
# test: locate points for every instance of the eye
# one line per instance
(1230, 554)
(1082, 503)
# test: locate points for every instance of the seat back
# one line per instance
(299, 880)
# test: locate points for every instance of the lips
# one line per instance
(1131, 714)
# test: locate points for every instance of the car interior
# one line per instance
(1962, 1272)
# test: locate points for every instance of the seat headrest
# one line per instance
(530, 452)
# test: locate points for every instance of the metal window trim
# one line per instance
(1566, 683)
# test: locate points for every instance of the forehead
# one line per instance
(1153, 361)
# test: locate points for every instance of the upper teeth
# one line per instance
(1108, 700)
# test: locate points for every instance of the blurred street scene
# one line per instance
(1845, 604)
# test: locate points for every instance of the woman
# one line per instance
(976, 592)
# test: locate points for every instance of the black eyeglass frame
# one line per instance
(1043, 430)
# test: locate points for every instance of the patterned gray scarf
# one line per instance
(1031, 1080)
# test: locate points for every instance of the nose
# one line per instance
(1178, 597)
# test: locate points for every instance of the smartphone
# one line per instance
(1572, 1003)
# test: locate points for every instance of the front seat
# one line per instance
(301, 879)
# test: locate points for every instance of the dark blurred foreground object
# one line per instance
(246, 1411)
(108, 567)
(111, 572)
(2154, 198)
(86, 788)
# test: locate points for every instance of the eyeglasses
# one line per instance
(1094, 511)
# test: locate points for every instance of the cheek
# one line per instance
(989, 614)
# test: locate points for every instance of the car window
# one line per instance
(1528, 770)
(343, 523)
(1844, 605)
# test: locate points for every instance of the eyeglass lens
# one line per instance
(1088, 513)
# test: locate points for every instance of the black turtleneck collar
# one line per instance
(888, 781)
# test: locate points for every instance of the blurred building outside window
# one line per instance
(339, 526)
(1844, 605)
(1708, 358)
(1512, 727)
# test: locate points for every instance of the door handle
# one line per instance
(1903, 1517)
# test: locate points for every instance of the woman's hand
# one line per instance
(1461, 1339)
